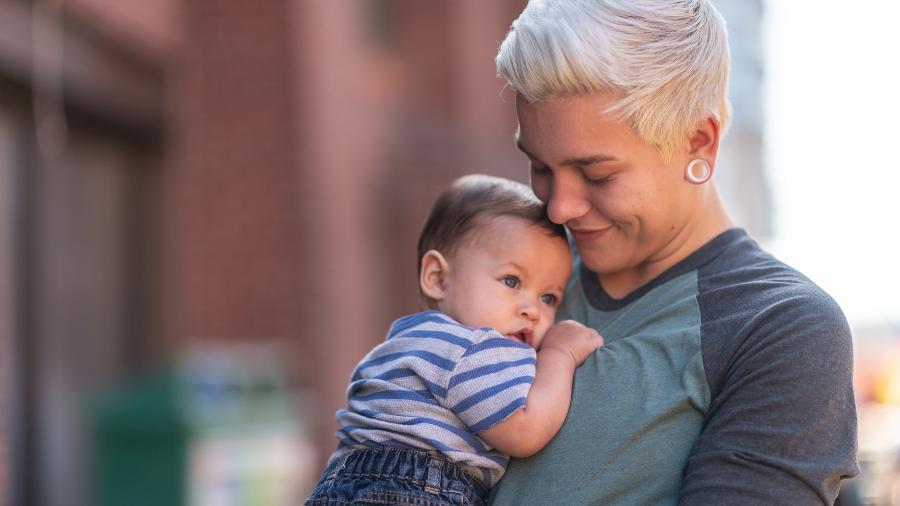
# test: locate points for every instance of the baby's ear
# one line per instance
(431, 277)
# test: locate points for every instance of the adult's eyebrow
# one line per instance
(578, 161)
(582, 161)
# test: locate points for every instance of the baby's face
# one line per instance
(510, 277)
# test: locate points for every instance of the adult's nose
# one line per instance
(567, 199)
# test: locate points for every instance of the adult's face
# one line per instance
(625, 206)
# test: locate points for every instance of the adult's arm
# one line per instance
(781, 424)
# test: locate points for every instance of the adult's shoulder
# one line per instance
(744, 278)
(754, 305)
(777, 355)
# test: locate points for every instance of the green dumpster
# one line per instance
(220, 429)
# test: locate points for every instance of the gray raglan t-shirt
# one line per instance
(726, 380)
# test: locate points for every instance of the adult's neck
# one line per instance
(709, 220)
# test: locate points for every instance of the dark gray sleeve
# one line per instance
(781, 425)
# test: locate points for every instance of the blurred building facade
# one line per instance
(242, 171)
(81, 107)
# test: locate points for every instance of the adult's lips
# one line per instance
(589, 234)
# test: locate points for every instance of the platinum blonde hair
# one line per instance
(666, 60)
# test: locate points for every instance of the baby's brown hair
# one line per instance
(471, 200)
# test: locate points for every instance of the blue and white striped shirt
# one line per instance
(433, 384)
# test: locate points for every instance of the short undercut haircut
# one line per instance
(666, 60)
(469, 203)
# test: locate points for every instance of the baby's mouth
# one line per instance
(523, 336)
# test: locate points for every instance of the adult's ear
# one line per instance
(704, 142)
(431, 277)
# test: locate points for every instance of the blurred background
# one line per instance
(209, 210)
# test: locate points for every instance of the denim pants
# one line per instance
(382, 475)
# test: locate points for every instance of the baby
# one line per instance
(436, 410)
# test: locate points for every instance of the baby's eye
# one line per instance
(549, 299)
(511, 281)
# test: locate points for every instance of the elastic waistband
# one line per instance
(435, 473)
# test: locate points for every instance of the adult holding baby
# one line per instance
(727, 375)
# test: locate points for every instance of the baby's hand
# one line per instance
(572, 338)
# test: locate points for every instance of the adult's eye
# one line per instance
(596, 181)
(538, 170)
(511, 281)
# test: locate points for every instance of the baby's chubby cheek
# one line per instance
(538, 338)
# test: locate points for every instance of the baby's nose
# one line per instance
(529, 310)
